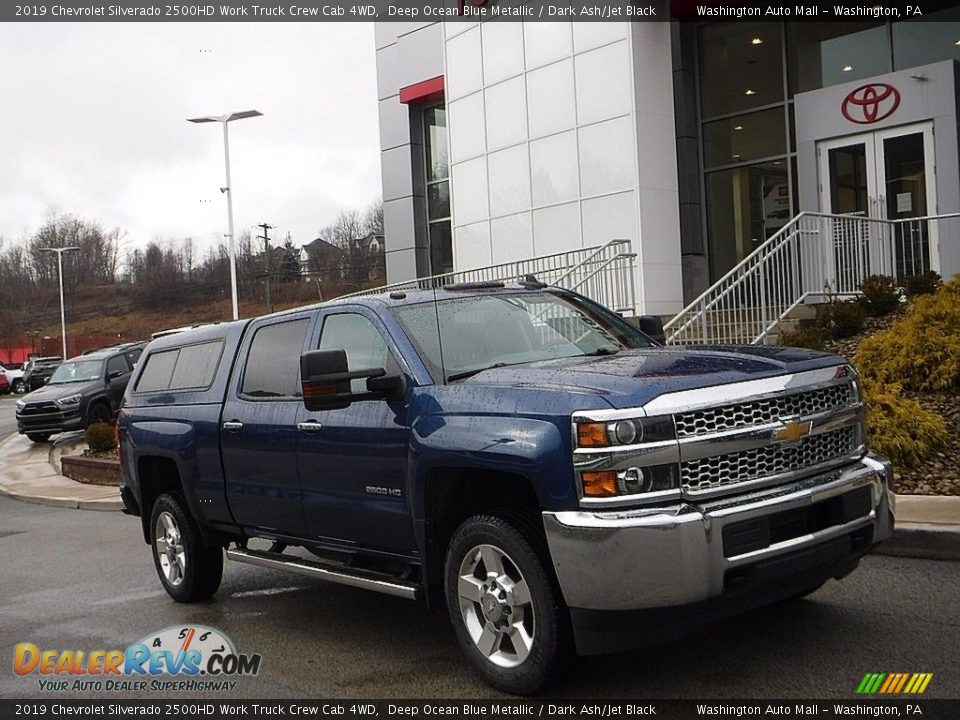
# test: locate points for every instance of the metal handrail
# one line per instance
(826, 248)
(571, 269)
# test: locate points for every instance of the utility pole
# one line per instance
(266, 259)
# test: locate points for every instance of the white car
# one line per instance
(16, 380)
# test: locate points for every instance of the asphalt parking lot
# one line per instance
(75, 579)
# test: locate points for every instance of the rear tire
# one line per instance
(505, 609)
(189, 570)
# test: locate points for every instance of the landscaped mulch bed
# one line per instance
(940, 475)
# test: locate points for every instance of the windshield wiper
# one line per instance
(600, 352)
(470, 373)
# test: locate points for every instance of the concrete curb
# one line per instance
(30, 473)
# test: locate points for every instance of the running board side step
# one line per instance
(301, 566)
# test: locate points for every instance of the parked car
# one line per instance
(15, 381)
(38, 370)
(84, 390)
(519, 455)
(4, 382)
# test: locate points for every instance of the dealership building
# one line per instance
(696, 141)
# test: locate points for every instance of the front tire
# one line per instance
(99, 412)
(38, 437)
(19, 386)
(505, 610)
(189, 570)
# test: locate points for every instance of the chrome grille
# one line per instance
(761, 412)
(723, 470)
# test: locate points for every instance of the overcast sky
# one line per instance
(93, 123)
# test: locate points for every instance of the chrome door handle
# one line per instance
(233, 426)
(309, 426)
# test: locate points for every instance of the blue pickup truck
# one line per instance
(518, 454)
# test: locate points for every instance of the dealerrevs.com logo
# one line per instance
(191, 658)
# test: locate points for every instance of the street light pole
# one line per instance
(63, 315)
(225, 120)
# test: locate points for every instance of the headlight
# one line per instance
(639, 456)
(71, 400)
(625, 432)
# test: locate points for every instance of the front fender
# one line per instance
(532, 448)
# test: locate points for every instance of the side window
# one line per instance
(156, 374)
(362, 341)
(117, 364)
(133, 356)
(273, 361)
(188, 368)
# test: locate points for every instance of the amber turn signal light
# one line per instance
(599, 484)
(592, 435)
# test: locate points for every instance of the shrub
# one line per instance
(922, 350)
(926, 284)
(900, 428)
(843, 319)
(880, 295)
(812, 338)
(101, 437)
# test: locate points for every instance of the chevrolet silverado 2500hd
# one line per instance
(517, 454)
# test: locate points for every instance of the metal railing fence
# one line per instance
(812, 258)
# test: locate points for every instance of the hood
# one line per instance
(49, 393)
(635, 377)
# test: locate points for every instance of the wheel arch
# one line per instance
(454, 493)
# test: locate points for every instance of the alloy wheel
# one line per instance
(496, 606)
(168, 545)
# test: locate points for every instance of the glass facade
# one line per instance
(437, 182)
(748, 74)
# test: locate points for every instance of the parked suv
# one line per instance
(81, 391)
(14, 377)
(38, 371)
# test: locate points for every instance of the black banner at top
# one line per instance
(456, 10)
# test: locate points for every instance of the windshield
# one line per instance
(485, 331)
(77, 371)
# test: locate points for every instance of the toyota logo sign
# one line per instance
(870, 103)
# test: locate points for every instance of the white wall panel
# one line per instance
(553, 169)
(464, 65)
(551, 98)
(502, 50)
(607, 159)
(546, 42)
(511, 238)
(603, 83)
(587, 35)
(470, 199)
(509, 177)
(465, 128)
(471, 246)
(556, 229)
(506, 111)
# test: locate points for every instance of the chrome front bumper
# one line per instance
(670, 556)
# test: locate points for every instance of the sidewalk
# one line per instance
(927, 526)
(30, 472)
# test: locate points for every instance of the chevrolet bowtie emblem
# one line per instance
(792, 432)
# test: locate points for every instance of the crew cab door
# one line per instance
(258, 427)
(353, 460)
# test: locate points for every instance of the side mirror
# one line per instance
(326, 381)
(653, 326)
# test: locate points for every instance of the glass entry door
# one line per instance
(883, 175)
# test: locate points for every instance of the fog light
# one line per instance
(633, 480)
(599, 484)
